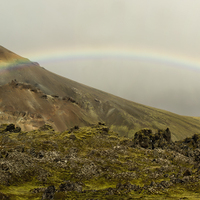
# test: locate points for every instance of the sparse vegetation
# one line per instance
(95, 163)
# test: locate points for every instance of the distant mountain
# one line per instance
(31, 96)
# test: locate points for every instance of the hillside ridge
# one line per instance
(92, 105)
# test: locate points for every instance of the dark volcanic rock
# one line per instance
(49, 193)
(46, 127)
(72, 137)
(70, 186)
(195, 138)
(73, 129)
(17, 130)
(105, 129)
(40, 154)
(167, 135)
(37, 190)
(142, 137)
(10, 128)
(147, 139)
(187, 173)
(44, 96)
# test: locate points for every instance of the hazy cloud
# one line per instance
(167, 26)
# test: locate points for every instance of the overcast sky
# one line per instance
(165, 36)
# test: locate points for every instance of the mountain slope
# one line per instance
(92, 104)
(30, 108)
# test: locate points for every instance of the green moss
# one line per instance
(21, 192)
(94, 149)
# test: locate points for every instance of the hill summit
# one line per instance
(32, 96)
(7, 57)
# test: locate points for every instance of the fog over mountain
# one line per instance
(163, 87)
(42, 30)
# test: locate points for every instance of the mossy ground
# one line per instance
(97, 158)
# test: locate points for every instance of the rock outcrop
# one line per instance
(149, 140)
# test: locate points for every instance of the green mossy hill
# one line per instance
(95, 163)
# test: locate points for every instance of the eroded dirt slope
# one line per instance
(29, 108)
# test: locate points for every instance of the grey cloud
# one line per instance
(167, 26)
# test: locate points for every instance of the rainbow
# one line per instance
(58, 56)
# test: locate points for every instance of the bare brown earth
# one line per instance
(30, 108)
(82, 105)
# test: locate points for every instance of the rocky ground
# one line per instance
(95, 163)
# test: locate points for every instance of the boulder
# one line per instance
(73, 129)
(10, 128)
(70, 186)
(37, 190)
(49, 193)
(72, 137)
(167, 135)
(187, 173)
(46, 127)
(195, 137)
(44, 96)
(145, 138)
(17, 130)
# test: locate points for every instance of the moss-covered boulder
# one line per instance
(147, 139)
(9, 128)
